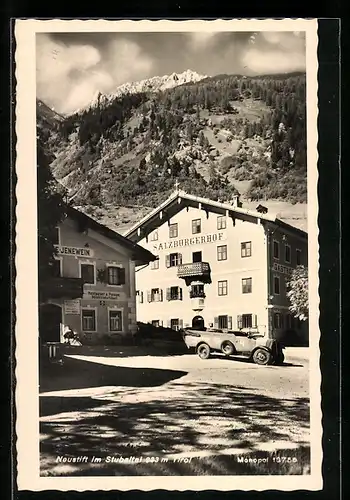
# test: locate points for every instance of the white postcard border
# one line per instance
(26, 330)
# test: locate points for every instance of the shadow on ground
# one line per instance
(243, 359)
(139, 419)
(153, 349)
(80, 374)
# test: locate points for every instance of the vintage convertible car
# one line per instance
(261, 350)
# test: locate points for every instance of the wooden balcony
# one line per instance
(62, 288)
(194, 271)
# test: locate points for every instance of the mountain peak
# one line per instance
(152, 84)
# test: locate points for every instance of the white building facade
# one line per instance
(218, 266)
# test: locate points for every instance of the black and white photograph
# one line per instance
(167, 255)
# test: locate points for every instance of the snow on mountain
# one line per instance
(154, 84)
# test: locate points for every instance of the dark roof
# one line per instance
(138, 253)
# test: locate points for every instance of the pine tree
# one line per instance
(51, 211)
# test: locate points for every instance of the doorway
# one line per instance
(196, 256)
(50, 318)
(198, 323)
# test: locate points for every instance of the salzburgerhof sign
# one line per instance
(77, 252)
(185, 242)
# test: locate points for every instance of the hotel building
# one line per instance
(92, 289)
(218, 265)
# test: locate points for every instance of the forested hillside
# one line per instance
(213, 136)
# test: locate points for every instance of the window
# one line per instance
(247, 321)
(56, 268)
(276, 285)
(155, 323)
(277, 320)
(115, 275)
(115, 321)
(155, 295)
(175, 323)
(246, 249)
(298, 255)
(196, 226)
(289, 321)
(196, 256)
(287, 253)
(173, 231)
(173, 259)
(88, 273)
(56, 236)
(88, 320)
(155, 263)
(276, 249)
(222, 252)
(154, 236)
(222, 287)
(223, 322)
(197, 291)
(221, 222)
(139, 295)
(174, 293)
(247, 285)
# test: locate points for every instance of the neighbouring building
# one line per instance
(218, 265)
(93, 285)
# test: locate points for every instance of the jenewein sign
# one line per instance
(75, 251)
(185, 242)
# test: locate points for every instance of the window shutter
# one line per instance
(122, 276)
(181, 324)
(160, 295)
(229, 322)
(180, 293)
(141, 297)
(167, 260)
(179, 258)
(149, 296)
(239, 322)
(216, 322)
(254, 321)
(168, 294)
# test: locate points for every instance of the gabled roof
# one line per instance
(139, 254)
(178, 199)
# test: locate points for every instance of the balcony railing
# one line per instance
(197, 295)
(193, 269)
(62, 288)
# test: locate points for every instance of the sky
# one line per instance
(72, 67)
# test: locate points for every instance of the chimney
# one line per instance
(236, 201)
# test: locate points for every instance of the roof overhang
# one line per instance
(181, 200)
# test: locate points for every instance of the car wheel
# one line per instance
(203, 351)
(262, 357)
(227, 348)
